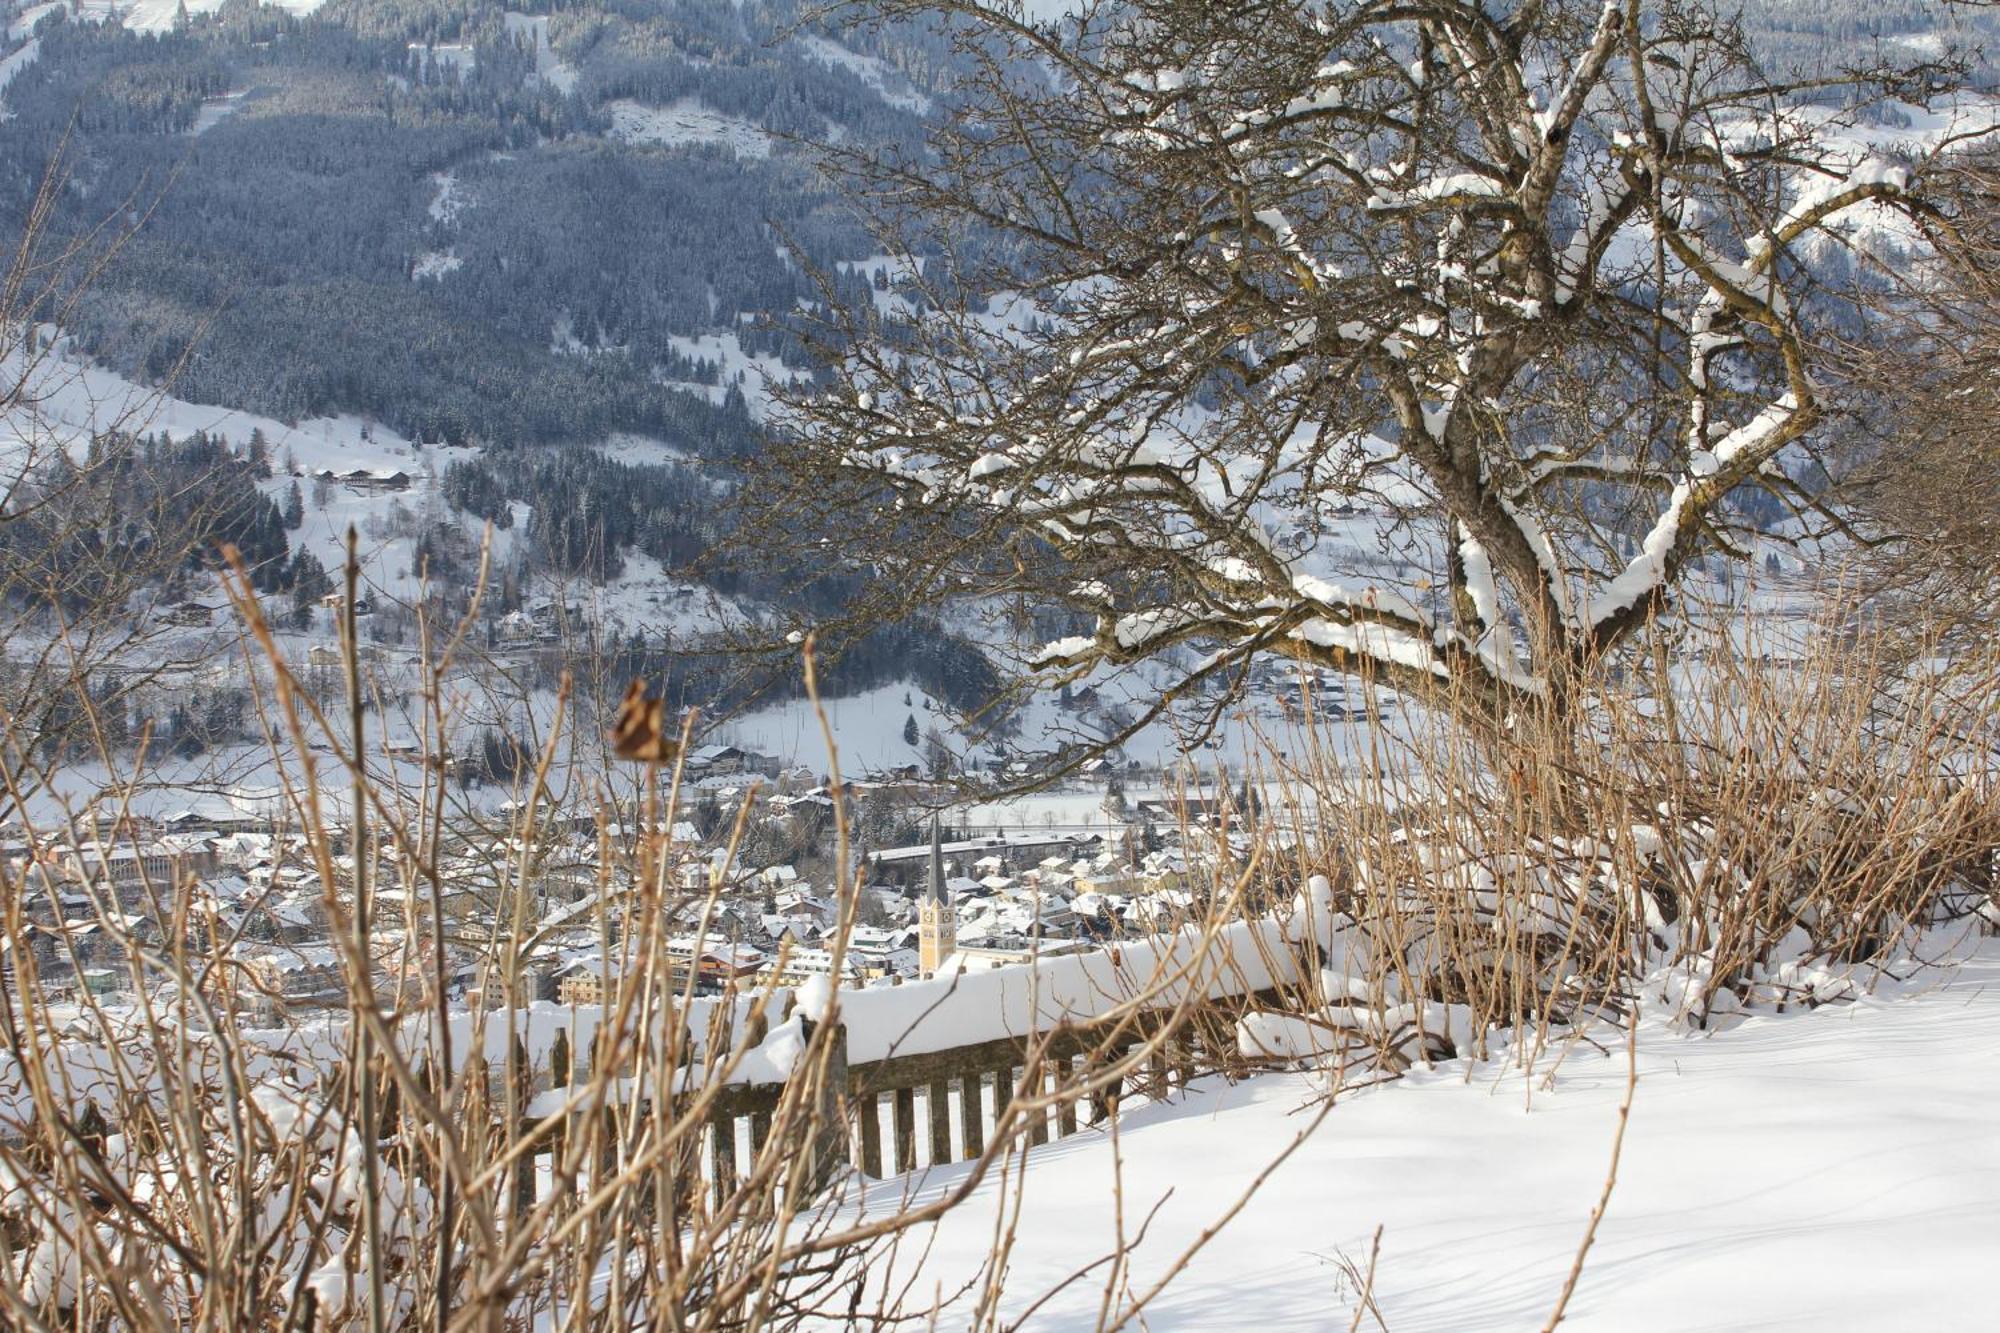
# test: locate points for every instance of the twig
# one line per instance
(1610, 1176)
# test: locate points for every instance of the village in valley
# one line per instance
(961, 895)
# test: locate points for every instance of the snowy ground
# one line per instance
(685, 122)
(215, 110)
(893, 87)
(867, 728)
(1829, 1170)
(548, 68)
(753, 374)
(14, 63)
(158, 15)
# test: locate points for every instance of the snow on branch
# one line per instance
(1709, 474)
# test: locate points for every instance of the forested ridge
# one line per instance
(423, 212)
(282, 239)
(418, 213)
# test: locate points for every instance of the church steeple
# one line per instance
(937, 917)
(935, 891)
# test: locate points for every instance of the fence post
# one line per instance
(1029, 1083)
(871, 1134)
(722, 1151)
(939, 1101)
(519, 1123)
(905, 1116)
(1104, 1102)
(829, 1128)
(972, 1114)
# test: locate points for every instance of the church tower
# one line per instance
(937, 916)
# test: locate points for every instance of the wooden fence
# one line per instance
(905, 1113)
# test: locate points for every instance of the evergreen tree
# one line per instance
(308, 579)
(937, 755)
(295, 507)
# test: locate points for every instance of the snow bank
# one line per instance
(967, 1008)
(1831, 1170)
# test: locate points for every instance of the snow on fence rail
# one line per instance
(761, 1034)
(946, 1056)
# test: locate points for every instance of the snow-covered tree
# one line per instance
(1377, 330)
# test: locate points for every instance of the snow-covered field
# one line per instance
(752, 374)
(867, 729)
(548, 68)
(435, 264)
(1831, 1170)
(158, 15)
(685, 122)
(72, 400)
(215, 110)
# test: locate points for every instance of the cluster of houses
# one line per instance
(98, 898)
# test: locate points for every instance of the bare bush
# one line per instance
(1768, 827)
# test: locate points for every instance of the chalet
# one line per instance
(586, 982)
(798, 929)
(982, 953)
(715, 964)
(886, 953)
(294, 919)
(515, 627)
(298, 978)
(1180, 809)
(896, 776)
(547, 618)
(368, 481)
(192, 853)
(189, 613)
(802, 901)
(335, 600)
(103, 981)
(717, 760)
